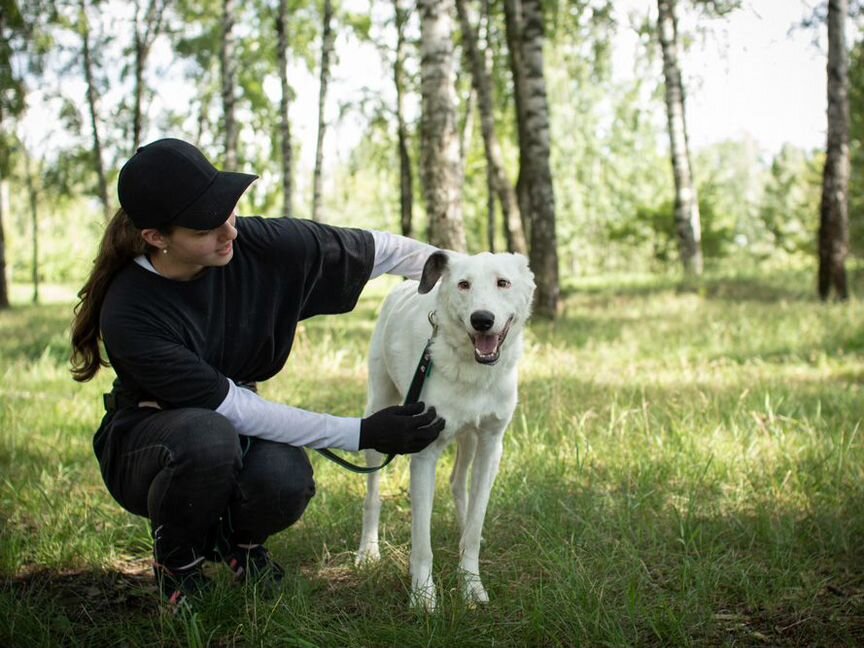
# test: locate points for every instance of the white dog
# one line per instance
(479, 308)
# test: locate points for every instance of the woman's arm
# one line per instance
(254, 416)
(399, 255)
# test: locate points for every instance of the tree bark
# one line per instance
(4, 284)
(544, 244)
(494, 160)
(406, 179)
(488, 64)
(327, 37)
(833, 209)
(513, 23)
(145, 34)
(87, 63)
(228, 67)
(687, 221)
(439, 139)
(34, 224)
(284, 118)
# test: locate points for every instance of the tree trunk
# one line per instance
(833, 209)
(406, 180)
(228, 61)
(34, 222)
(513, 22)
(327, 37)
(87, 63)
(544, 244)
(687, 222)
(439, 140)
(488, 64)
(485, 102)
(4, 285)
(145, 34)
(284, 118)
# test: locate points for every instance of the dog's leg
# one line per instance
(381, 393)
(484, 470)
(422, 497)
(369, 551)
(467, 444)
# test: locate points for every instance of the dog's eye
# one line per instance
(464, 285)
(503, 283)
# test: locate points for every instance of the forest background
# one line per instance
(96, 77)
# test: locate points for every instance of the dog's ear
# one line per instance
(432, 271)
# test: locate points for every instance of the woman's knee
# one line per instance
(277, 480)
(202, 438)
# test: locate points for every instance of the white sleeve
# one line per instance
(399, 255)
(254, 416)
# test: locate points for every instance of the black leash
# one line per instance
(424, 368)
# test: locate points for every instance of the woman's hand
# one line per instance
(401, 429)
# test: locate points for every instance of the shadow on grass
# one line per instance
(44, 607)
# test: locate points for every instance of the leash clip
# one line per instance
(433, 321)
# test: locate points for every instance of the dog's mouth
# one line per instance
(487, 346)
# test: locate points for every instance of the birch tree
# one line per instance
(32, 199)
(833, 209)
(11, 105)
(146, 29)
(88, 63)
(439, 140)
(228, 71)
(687, 222)
(327, 38)
(406, 176)
(284, 118)
(526, 36)
(499, 181)
(513, 23)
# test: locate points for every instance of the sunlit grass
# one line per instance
(684, 468)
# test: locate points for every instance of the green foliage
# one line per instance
(684, 469)
(791, 202)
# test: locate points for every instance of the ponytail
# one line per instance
(121, 243)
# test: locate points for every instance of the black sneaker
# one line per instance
(176, 586)
(255, 564)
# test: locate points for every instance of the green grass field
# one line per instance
(684, 469)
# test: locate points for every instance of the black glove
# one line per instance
(400, 429)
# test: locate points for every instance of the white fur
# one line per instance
(476, 400)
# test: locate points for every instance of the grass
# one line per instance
(684, 469)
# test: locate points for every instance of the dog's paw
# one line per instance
(367, 555)
(473, 591)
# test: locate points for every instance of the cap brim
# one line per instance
(213, 207)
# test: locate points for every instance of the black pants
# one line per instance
(203, 486)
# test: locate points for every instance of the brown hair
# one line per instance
(121, 243)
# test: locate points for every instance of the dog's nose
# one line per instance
(482, 320)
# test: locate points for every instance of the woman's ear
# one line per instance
(154, 238)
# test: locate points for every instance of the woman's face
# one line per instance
(189, 251)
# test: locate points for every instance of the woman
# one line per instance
(194, 305)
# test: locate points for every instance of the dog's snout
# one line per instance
(482, 320)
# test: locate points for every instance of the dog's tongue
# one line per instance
(485, 344)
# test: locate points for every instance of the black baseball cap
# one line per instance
(170, 182)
